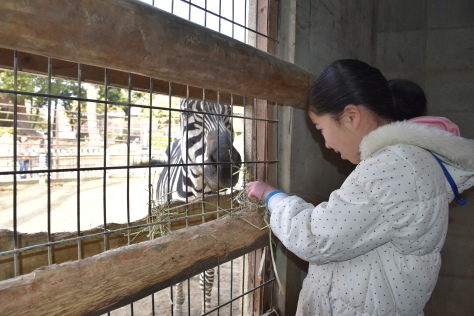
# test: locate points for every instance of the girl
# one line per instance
(374, 247)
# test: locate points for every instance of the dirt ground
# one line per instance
(162, 299)
(67, 208)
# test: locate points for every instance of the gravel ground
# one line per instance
(162, 299)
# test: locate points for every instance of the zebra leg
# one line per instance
(206, 281)
(178, 299)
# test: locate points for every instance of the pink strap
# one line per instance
(438, 121)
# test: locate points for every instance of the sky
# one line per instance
(233, 10)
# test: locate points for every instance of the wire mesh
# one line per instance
(234, 18)
(82, 178)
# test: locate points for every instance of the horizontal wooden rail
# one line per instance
(64, 245)
(121, 276)
(37, 64)
(137, 38)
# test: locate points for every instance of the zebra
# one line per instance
(202, 161)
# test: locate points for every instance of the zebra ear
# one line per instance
(192, 105)
(185, 104)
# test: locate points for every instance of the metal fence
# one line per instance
(80, 182)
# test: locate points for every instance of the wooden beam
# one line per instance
(179, 214)
(120, 276)
(135, 37)
(36, 64)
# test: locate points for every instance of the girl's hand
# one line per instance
(258, 190)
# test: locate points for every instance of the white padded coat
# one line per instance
(374, 246)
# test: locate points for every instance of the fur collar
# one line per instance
(455, 149)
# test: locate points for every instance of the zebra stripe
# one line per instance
(192, 158)
(202, 161)
(206, 281)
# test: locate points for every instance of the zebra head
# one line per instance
(207, 138)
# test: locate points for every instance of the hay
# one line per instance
(164, 213)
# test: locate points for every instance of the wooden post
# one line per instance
(262, 134)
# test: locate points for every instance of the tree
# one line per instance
(29, 108)
(33, 110)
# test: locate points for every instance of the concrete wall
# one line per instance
(427, 41)
(313, 34)
(431, 42)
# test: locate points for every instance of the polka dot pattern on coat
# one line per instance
(373, 247)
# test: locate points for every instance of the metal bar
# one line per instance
(150, 185)
(266, 21)
(231, 149)
(205, 13)
(112, 102)
(219, 16)
(203, 146)
(170, 87)
(171, 300)
(50, 160)
(246, 21)
(255, 133)
(262, 295)
(188, 281)
(257, 2)
(266, 154)
(139, 167)
(15, 159)
(187, 173)
(244, 258)
(218, 288)
(104, 174)
(233, 19)
(218, 142)
(153, 304)
(129, 138)
(78, 165)
(231, 285)
(150, 131)
(229, 20)
(254, 278)
(169, 137)
(189, 13)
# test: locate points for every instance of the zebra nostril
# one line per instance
(212, 158)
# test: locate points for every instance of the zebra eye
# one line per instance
(193, 118)
(193, 140)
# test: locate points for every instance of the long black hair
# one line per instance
(409, 98)
(350, 81)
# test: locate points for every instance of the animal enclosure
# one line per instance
(79, 188)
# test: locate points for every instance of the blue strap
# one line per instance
(272, 194)
(458, 196)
